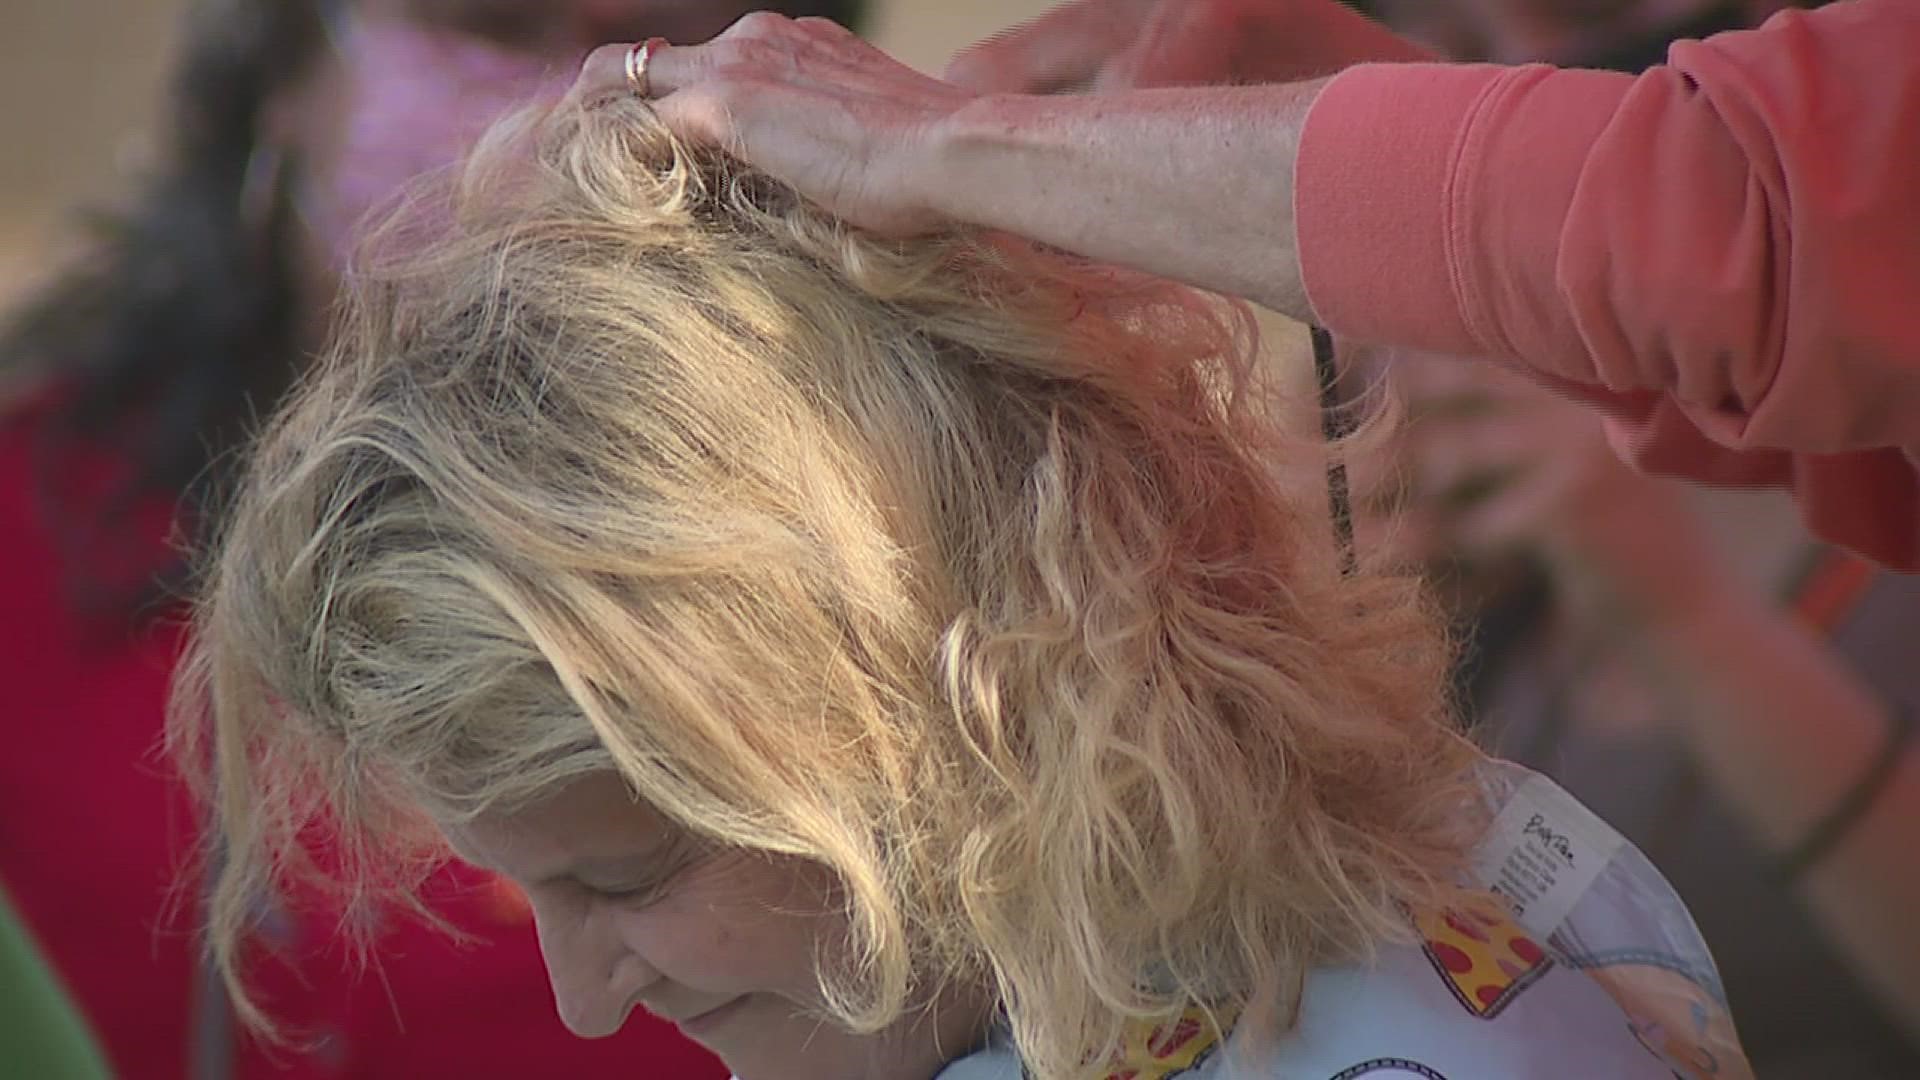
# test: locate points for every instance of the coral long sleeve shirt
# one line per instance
(1723, 252)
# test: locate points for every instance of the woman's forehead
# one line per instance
(591, 818)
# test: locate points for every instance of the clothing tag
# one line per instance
(1542, 853)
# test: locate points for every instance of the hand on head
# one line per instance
(803, 99)
(856, 130)
(1492, 463)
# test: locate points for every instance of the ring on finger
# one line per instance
(638, 57)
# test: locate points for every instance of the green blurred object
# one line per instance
(42, 1036)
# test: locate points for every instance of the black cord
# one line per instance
(1336, 424)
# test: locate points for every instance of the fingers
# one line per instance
(758, 40)
(823, 27)
(1173, 49)
(1061, 50)
(703, 119)
(604, 73)
(697, 116)
(675, 67)
(1130, 70)
(1515, 515)
(670, 68)
(1464, 461)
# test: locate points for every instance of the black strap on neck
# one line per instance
(1336, 423)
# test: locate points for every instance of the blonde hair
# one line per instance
(961, 569)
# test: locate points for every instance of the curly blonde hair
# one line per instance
(979, 576)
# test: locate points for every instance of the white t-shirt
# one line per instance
(1402, 1019)
(1599, 972)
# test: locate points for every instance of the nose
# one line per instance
(595, 978)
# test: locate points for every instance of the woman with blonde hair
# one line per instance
(883, 659)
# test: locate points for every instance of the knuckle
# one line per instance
(716, 120)
(604, 62)
(820, 24)
(972, 60)
(758, 24)
(741, 58)
(703, 115)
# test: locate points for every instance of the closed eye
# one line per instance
(635, 895)
(651, 882)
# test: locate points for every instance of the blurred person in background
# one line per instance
(124, 385)
(1759, 752)
(1616, 35)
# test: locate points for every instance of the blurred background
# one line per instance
(83, 78)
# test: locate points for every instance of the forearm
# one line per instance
(1777, 722)
(1783, 730)
(1195, 185)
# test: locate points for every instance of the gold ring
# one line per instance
(637, 59)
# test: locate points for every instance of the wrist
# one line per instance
(958, 155)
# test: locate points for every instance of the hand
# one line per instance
(809, 103)
(1494, 463)
(1121, 44)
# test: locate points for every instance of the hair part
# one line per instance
(986, 579)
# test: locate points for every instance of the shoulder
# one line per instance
(1485, 1005)
(1471, 1002)
(996, 1062)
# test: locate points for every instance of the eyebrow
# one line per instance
(609, 867)
(659, 861)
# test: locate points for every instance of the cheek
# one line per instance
(753, 929)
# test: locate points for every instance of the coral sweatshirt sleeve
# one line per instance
(1723, 253)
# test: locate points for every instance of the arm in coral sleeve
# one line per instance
(1723, 252)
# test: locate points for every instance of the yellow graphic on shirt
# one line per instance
(1150, 1051)
(1484, 958)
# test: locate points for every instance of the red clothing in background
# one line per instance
(94, 830)
(1724, 252)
